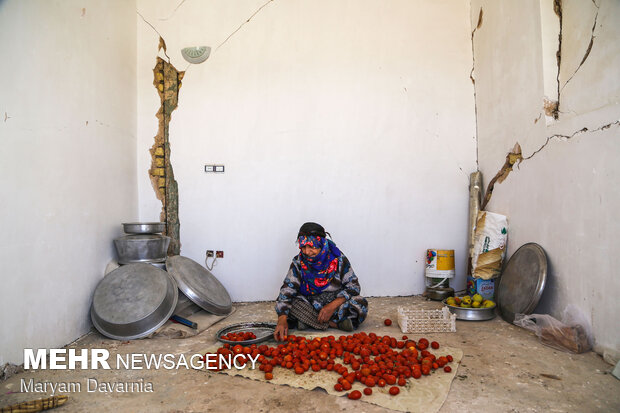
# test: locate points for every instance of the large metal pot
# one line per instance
(141, 248)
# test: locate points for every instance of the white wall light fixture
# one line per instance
(197, 54)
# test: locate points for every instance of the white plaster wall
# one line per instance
(355, 114)
(565, 197)
(68, 162)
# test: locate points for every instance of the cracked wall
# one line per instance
(360, 98)
(167, 81)
(557, 184)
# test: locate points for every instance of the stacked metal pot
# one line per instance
(143, 243)
(137, 298)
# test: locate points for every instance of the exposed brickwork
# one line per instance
(167, 81)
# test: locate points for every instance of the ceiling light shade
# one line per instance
(197, 54)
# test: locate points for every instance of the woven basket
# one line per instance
(426, 321)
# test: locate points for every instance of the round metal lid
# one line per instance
(133, 301)
(522, 282)
(199, 285)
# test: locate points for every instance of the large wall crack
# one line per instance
(167, 81)
(515, 157)
(567, 137)
(589, 48)
(552, 108)
(473, 79)
(242, 24)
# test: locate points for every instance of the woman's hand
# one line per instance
(328, 310)
(281, 332)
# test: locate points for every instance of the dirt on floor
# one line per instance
(504, 369)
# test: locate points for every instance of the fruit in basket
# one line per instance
(477, 298)
(466, 300)
(475, 304)
(487, 304)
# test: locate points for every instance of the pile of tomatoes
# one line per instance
(239, 336)
(369, 359)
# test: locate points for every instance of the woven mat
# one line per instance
(426, 394)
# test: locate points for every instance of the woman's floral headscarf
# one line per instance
(318, 271)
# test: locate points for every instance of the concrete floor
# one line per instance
(504, 369)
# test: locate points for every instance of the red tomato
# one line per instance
(367, 391)
(338, 387)
(394, 390)
(423, 344)
(387, 322)
(268, 376)
(447, 369)
(435, 345)
(449, 357)
(355, 394)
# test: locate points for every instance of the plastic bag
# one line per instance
(572, 334)
(489, 249)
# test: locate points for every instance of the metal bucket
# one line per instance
(439, 270)
(141, 248)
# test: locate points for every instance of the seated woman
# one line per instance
(320, 289)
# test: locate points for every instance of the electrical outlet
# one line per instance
(209, 253)
(219, 254)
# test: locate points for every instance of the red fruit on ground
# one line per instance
(394, 390)
(387, 322)
(355, 394)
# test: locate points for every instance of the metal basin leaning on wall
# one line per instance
(199, 285)
(133, 301)
(141, 248)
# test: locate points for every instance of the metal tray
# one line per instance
(133, 301)
(263, 332)
(522, 282)
(472, 314)
(199, 285)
